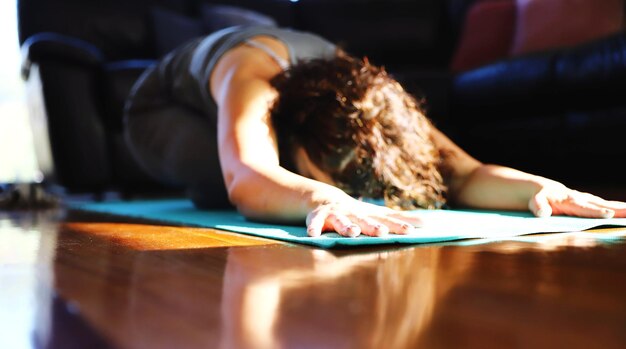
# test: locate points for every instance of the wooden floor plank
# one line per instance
(135, 284)
(159, 237)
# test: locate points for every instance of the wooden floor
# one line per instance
(71, 280)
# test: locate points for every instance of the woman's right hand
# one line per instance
(352, 217)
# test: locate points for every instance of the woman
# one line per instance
(287, 127)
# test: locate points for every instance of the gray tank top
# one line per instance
(187, 70)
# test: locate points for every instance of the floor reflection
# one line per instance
(22, 258)
(270, 296)
(115, 286)
(372, 300)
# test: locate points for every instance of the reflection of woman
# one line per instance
(337, 125)
(377, 300)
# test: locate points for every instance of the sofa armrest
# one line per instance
(593, 73)
(521, 83)
(66, 73)
(46, 46)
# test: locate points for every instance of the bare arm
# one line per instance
(257, 185)
(477, 185)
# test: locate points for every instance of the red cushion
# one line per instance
(547, 24)
(487, 34)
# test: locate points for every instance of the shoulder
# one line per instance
(244, 62)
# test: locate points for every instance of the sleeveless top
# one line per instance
(183, 74)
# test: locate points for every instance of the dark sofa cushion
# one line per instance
(118, 28)
(487, 35)
(283, 12)
(593, 74)
(568, 79)
(398, 34)
(549, 24)
(170, 29)
(216, 17)
(482, 94)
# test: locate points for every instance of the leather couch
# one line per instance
(552, 103)
(81, 58)
(558, 113)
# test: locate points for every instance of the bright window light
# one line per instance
(17, 159)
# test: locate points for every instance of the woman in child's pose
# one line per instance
(288, 128)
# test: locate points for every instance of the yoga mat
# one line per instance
(439, 225)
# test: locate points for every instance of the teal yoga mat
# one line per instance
(439, 225)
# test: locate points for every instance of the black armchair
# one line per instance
(82, 93)
(80, 60)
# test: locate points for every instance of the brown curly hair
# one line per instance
(359, 126)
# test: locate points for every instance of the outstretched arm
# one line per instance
(477, 185)
(257, 185)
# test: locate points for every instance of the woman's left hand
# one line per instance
(556, 199)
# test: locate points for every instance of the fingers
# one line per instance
(539, 205)
(353, 225)
(325, 218)
(316, 220)
(582, 208)
(396, 226)
(371, 227)
(618, 207)
(347, 223)
(343, 225)
(574, 203)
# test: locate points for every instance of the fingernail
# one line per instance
(608, 213)
(408, 229)
(352, 231)
(381, 229)
(542, 213)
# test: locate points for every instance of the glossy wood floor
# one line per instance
(79, 281)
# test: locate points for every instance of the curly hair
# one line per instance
(359, 126)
